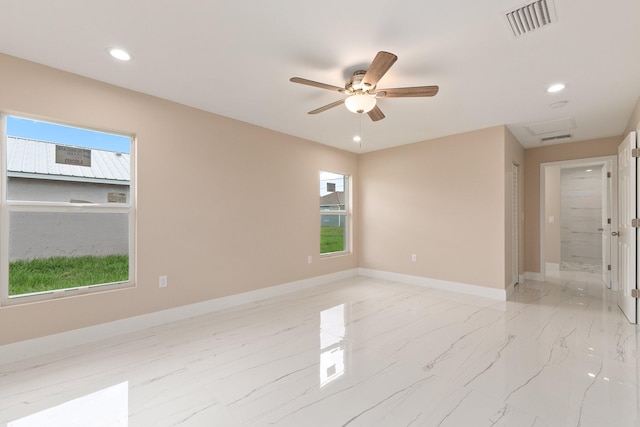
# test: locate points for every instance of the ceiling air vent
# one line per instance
(557, 138)
(530, 17)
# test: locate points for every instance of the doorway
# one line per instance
(578, 214)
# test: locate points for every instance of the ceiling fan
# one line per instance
(362, 92)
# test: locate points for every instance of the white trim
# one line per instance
(462, 288)
(346, 212)
(515, 223)
(612, 161)
(4, 213)
(133, 209)
(9, 206)
(65, 292)
(52, 343)
(529, 275)
(64, 207)
(552, 267)
(511, 289)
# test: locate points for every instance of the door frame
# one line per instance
(515, 223)
(591, 161)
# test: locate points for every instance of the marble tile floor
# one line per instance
(359, 352)
(580, 266)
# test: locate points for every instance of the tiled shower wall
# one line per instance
(581, 211)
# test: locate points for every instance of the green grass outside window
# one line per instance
(48, 274)
(331, 239)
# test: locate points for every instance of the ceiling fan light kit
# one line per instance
(361, 89)
(360, 103)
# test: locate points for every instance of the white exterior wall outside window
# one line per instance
(334, 213)
(53, 208)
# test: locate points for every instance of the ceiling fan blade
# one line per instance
(380, 65)
(315, 84)
(376, 114)
(326, 107)
(405, 92)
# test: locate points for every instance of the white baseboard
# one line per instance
(534, 276)
(552, 267)
(52, 343)
(461, 288)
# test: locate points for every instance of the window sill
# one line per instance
(335, 254)
(62, 293)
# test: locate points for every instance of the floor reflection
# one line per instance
(332, 344)
(358, 352)
(106, 407)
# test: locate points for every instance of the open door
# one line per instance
(612, 230)
(627, 235)
(606, 225)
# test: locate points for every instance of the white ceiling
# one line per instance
(235, 58)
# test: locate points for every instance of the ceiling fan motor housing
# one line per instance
(355, 84)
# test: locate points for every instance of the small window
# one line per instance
(334, 217)
(67, 208)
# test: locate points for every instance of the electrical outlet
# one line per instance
(162, 282)
(309, 259)
(414, 257)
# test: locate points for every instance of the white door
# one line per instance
(606, 226)
(627, 234)
(613, 227)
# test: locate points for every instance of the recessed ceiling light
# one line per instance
(589, 170)
(119, 54)
(555, 88)
(559, 104)
(357, 138)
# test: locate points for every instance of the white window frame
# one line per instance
(346, 212)
(7, 207)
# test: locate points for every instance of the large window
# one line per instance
(334, 213)
(66, 209)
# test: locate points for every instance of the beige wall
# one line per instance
(207, 190)
(514, 153)
(223, 207)
(634, 120)
(443, 200)
(552, 153)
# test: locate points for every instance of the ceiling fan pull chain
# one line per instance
(360, 129)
